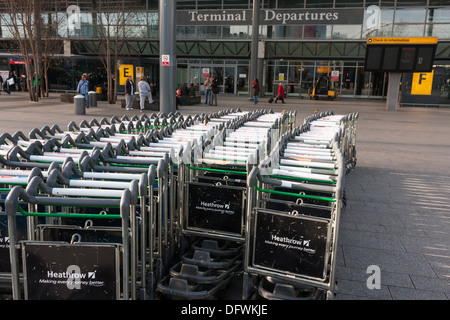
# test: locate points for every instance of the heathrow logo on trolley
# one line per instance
(73, 278)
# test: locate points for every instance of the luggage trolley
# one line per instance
(294, 209)
(176, 142)
(75, 269)
(105, 160)
(146, 182)
(348, 137)
(207, 268)
(9, 178)
(104, 154)
(70, 177)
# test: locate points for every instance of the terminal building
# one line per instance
(298, 42)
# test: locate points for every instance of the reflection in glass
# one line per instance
(185, 32)
(408, 30)
(348, 3)
(184, 4)
(209, 4)
(292, 4)
(439, 30)
(317, 32)
(286, 32)
(415, 15)
(346, 32)
(239, 32)
(404, 3)
(236, 4)
(439, 15)
(209, 32)
(319, 3)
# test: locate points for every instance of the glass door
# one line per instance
(218, 74)
(230, 80)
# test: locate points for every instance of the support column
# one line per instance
(392, 99)
(254, 47)
(167, 55)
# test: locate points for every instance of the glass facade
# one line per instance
(296, 52)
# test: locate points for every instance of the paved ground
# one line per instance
(398, 212)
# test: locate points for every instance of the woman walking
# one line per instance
(280, 93)
(256, 89)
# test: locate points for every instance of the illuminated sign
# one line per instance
(412, 40)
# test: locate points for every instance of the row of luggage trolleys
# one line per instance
(295, 201)
(105, 211)
(64, 185)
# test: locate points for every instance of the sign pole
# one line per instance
(254, 52)
(392, 99)
(167, 38)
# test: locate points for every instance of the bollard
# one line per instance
(92, 98)
(80, 104)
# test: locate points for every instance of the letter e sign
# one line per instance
(125, 71)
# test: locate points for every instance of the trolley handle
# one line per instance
(255, 176)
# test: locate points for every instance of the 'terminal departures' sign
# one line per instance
(270, 17)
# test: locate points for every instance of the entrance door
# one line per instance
(225, 75)
(230, 80)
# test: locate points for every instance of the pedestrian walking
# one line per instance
(16, 80)
(23, 81)
(207, 84)
(144, 92)
(129, 93)
(256, 89)
(214, 91)
(83, 88)
(280, 95)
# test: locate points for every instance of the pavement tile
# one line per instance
(400, 293)
(359, 289)
(371, 240)
(387, 278)
(390, 260)
(431, 284)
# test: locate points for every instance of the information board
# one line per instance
(400, 54)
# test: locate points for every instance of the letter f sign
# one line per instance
(422, 77)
